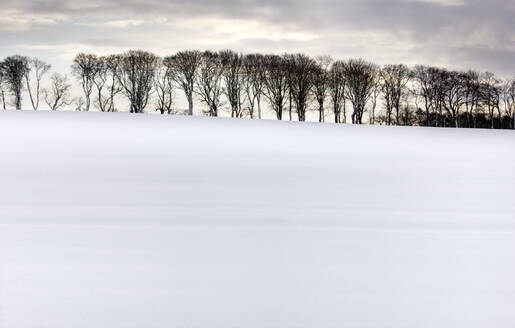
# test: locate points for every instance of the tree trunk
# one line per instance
(491, 110)
(291, 118)
(88, 103)
(18, 101)
(190, 104)
(279, 115)
(3, 100)
(29, 89)
(344, 112)
(373, 116)
(259, 107)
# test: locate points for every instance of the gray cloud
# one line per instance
(454, 33)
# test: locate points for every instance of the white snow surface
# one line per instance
(143, 221)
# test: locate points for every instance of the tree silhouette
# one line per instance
(37, 70)
(85, 68)
(14, 70)
(58, 95)
(360, 77)
(209, 81)
(276, 83)
(185, 64)
(136, 74)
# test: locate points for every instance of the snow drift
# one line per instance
(117, 220)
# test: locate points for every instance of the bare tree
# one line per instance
(439, 90)
(37, 70)
(100, 81)
(79, 103)
(164, 86)
(337, 84)
(276, 83)
(112, 64)
(136, 75)
(58, 95)
(234, 80)
(455, 95)
(412, 110)
(185, 65)
(209, 82)
(255, 73)
(430, 81)
(15, 68)
(321, 83)
(508, 97)
(374, 97)
(491, 96)
(320, 80)
(289, 70)
(301, 75)
(106, 83)
(360, 77)
(394, 80)
(85, 68)
(422, 77)
(2, 86)
(472, 96)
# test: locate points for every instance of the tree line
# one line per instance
(291, 85)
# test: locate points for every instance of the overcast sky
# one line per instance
(453, 33)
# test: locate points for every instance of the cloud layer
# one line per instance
(458, 34)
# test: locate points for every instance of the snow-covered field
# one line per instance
(127, 221)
